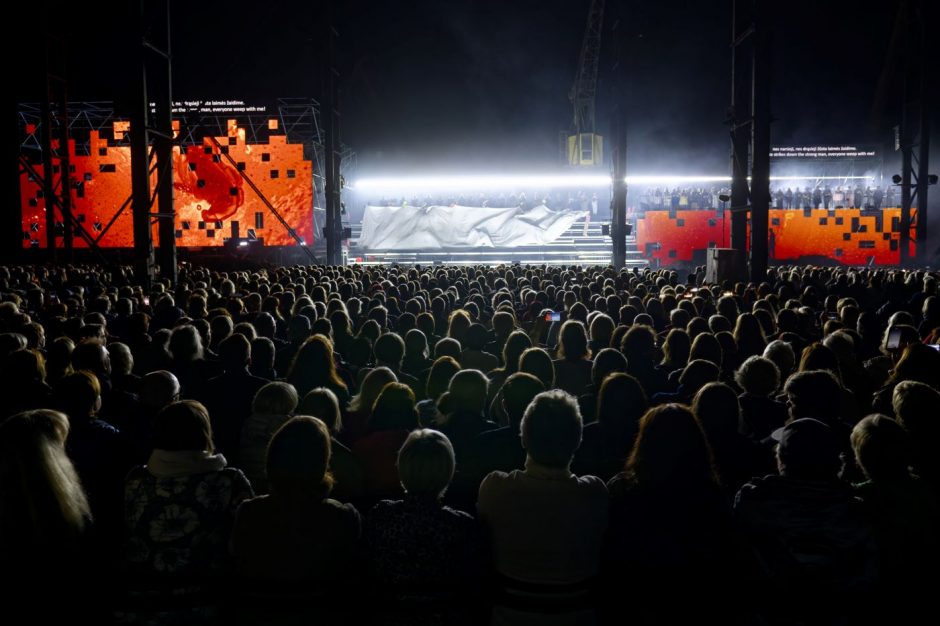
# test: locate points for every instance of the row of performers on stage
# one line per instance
(660, 198)
(826, 197)
(572, 201)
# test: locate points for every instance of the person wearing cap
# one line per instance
(814, 544)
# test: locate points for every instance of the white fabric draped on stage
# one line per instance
(435, 227)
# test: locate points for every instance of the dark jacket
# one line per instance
(815, 546)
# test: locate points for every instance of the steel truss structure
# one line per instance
(914, 131)
(298, 118)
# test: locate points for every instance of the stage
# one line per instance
(572, 247)
(676, 238)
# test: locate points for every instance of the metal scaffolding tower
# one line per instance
(750, 132)
(585, 146)
(152, 138)
(56, 177)
(332, 157)
(914, 131)
(618, 201)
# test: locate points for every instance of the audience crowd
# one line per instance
(443, 445)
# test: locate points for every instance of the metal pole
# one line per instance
(65, 174)
(48, 187)
(922, 182)
(11, 243)
(618, 230)
(923, 161)
(140, 166)
(330, 102)
(740, 131)
(760, 154)
(163, 148)
(904, 238)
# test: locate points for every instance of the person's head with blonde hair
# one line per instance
(322, 404)
(275, 398)
(371, 387)
(41, 497)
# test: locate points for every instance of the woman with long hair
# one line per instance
(342, 329)
(465, 415)
(297, 535)
(918, 363)
(59, 359)
(188, 360)
(607, 441)
(457, 324)
(438, 381)
(817, 356)
(394, 416)
(670, 525)
(314, 366)
(639, 346)
(536, 361)
(676, 351)
(749, 336)
(44, 508)
(45, 519)
(517, 343)
(356, 421)
(321, 403)
(573, 363)
(736, 457)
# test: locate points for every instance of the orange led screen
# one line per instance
(849, 236)
(212, 197)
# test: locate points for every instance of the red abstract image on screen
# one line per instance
(848, 236)
(212, 197)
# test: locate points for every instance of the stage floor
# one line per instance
(574, 247)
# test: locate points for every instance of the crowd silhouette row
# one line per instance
(440, 445)
(803, 195)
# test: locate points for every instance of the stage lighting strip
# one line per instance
(547, 181)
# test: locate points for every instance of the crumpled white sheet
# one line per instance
(437, 227)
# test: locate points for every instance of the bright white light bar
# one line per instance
(429, 183)
(542, 181)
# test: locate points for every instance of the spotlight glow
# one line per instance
(422, 184)
(498, 181)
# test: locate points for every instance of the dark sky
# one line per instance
(484, 84)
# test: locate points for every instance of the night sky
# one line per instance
(484, 84)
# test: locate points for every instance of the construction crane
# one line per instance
(585, 147)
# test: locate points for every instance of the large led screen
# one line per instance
(212, 195)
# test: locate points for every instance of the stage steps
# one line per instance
(574, 247)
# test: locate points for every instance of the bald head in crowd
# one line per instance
(158, 389)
